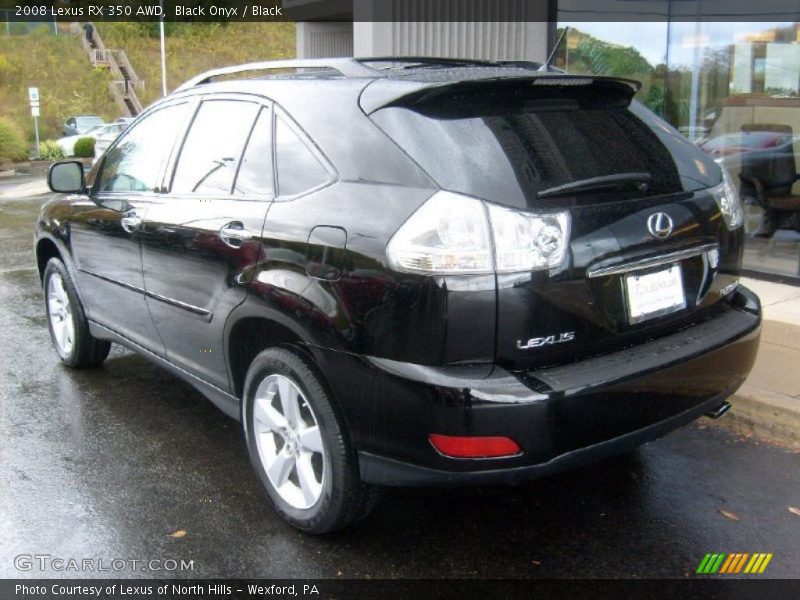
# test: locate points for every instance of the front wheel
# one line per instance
(67, 322)
(298, 445)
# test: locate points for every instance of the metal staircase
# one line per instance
(126, 81)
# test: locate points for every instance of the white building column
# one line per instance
(474, 40)
(507, 29)
(324, 39)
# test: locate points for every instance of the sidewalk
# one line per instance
(768, 404)
(23, 182)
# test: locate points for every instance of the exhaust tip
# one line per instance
(720, 410)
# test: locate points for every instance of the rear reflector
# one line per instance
(474, 447)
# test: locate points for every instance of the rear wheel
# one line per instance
(299, 447)
(67, 322)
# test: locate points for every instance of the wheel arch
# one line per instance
(250, 330)
(46, 248)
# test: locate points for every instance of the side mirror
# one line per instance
(66, 177)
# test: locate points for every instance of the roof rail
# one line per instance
(354, 67)
(429, 60)
(346, 66)
(528, 65)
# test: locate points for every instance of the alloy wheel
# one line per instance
(289, 441)
(60, 314)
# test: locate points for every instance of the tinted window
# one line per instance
(255, 172)
(135, 163)
(213, 147)
(298, 168)
(506, 145)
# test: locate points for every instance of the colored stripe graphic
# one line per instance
(715, 567)
(732, 559)
(741, 562)
(712, 564)
(751, 564)
(703, 564)
(729, 564)
(757, 566)
(764, 564)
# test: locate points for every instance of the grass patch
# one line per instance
(67, 83)
(196, 47)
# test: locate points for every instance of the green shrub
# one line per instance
(12, 141)
(50, 150)
(84, 147)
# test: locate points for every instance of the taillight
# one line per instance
(447, 234)
(730, 205)
(528, 241)
(474, 446)
(450, 234)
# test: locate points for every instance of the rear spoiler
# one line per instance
(383, 93)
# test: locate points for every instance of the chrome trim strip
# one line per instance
(653, 261)
(128, 286)
(190, 307)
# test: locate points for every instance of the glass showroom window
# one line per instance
(733, 89)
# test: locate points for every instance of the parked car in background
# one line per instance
(107, 132)
(446, 273)
(107, 135)
(81, 124)
(739, 142)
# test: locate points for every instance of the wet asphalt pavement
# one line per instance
(106, 464)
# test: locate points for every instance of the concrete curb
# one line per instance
(772, 417)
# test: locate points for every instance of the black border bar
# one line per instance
(706, 587)
(400, 10)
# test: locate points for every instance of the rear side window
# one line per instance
(213, 147)
(255, 172)
(507, 145)
(134, 164)
(298, 168)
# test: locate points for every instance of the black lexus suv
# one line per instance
(410, 271)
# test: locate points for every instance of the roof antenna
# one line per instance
(547, 65)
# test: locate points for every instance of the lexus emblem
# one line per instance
(660, 225)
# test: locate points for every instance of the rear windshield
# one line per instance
(507, 146)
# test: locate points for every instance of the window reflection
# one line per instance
(134, 164)
(210, 155)
(731, 88)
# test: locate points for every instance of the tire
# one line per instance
(286, 457)
(69, 329)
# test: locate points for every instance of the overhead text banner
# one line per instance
(400, 10)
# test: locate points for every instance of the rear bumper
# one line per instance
(561, 417)
(386, 471)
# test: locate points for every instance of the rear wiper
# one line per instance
(641, 181)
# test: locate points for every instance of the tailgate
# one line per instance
(622, 285)
(648, 249)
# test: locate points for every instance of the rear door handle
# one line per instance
(233, 234)
(131, 223)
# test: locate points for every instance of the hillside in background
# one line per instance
(60, 69)
(68, 84)
(196, 47)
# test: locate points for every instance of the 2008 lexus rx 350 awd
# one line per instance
(408, 271)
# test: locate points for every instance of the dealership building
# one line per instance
(725, 73)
